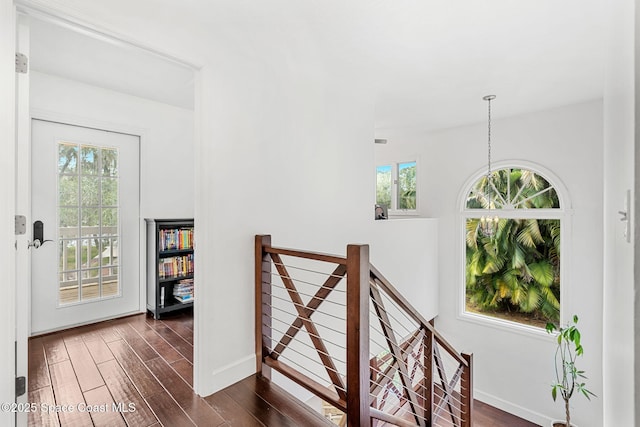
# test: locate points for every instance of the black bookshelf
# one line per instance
(170, 265)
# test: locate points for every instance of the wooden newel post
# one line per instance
(358, 336)
(263, 303)
(466, 385)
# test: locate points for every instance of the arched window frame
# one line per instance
(563, 213)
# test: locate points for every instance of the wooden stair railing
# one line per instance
(358, 344)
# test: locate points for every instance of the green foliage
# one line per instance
(568, 377)
(518, 268)
(514, 270)
(407, 186)
(383, 186)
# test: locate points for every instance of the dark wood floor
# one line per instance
(138, 372)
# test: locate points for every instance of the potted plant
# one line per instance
(568, 378)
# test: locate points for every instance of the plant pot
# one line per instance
(561, 423)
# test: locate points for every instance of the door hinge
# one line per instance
(21, 386)
(21, 225)
(22, 63)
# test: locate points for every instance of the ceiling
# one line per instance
(430, 62)
(99, 61)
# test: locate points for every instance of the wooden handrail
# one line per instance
(383, 416)
(316, 256)
(411, 311)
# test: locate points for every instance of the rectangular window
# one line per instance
(396, 186)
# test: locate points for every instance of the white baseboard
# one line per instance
(227, 375)
(511, 408)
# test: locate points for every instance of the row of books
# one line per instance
(183, 291)
(177, 266)
(175, 239)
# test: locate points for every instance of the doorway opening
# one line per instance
(91, 81)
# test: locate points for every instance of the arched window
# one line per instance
(515, 273)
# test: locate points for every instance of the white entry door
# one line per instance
(85, 191)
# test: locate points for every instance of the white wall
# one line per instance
(513, 370)
(299, 141)
(167, 135)
(405, 251)
(619, 295)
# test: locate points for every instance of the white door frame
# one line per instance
(7, 208)
(44, 11)
(23, 207)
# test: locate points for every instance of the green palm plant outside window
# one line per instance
(515, 273)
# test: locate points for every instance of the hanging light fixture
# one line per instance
(489, 222)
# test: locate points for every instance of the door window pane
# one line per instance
(89, 160)
(68, 218)
(68, 191)
(68, 255)
(67, 159)
(90, 219)
(109, 162)
(90, 190)
(109, 191)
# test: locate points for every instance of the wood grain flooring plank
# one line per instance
(140, 346)
(231, 411)
(197, 409)
(178, 326)
(168, 411)
(86, 371)
(37, 365)
(108, 332)
(42, 398)
(260, 409)
(98, 348)
(68, 395)
(489, 416)
(183, 347)
(54, 348)
(162, 347)
(184, 369)
(124, 394)
(144, 381)
(101, 407)
(284, 402)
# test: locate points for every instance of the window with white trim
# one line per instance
(513, 274)
(396, 186)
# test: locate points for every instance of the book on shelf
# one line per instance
(183, 290)
(177, 266)
(184, 299)
(171, 239)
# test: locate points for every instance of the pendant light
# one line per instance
(489, 221)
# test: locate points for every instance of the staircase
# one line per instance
(337, 327)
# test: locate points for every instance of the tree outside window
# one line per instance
(514, 274)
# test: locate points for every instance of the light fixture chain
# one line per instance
(489, 223)
(489, 142)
